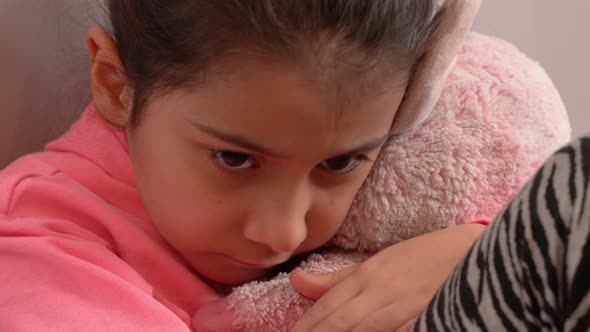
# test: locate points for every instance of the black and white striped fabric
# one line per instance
(530, 270)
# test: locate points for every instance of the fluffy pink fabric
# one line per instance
(498, 118)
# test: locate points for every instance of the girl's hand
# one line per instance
(389, 290)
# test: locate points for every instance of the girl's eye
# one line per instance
(233, 161)
(343, 164)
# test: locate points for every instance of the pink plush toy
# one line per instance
(498, 117)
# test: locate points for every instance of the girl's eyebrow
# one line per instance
(238, 141)
(244, 143)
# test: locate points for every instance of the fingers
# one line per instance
(363, 313)
(314, 286)
(327, 305)
(346, 317)
(393, 317)
(407, 326)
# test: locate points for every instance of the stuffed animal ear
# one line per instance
(431, 72)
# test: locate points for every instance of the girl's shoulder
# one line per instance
(21, 172)
(90, 159)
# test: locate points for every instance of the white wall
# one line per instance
(43, 70)
(555, 33)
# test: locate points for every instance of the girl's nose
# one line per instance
(279, 221)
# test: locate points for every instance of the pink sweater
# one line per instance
(77, 249)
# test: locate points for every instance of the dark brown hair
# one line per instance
(166, 44)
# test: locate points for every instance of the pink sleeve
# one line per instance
(484, 222)
(54, 281)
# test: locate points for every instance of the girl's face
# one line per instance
(253, 168)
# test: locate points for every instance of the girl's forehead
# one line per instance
(339, 86)
(282, 108)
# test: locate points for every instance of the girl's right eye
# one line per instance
(232, 161)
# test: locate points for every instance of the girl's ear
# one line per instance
(111, 92)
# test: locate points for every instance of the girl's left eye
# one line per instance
(233, 161)
(342, 164)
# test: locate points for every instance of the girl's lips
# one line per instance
(254, 265)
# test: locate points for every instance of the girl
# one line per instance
(224, 138)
